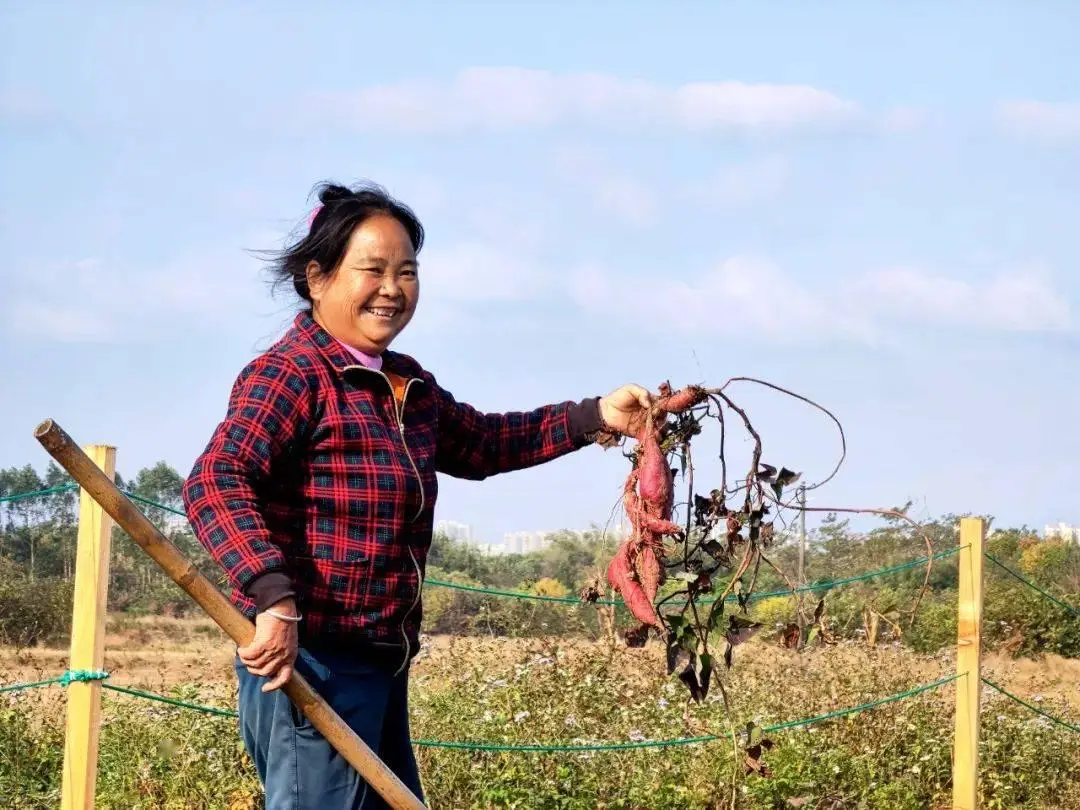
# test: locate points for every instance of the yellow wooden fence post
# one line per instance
(87, 642)
(968, 665)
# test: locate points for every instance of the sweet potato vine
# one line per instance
(726, 533)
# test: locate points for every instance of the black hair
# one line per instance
(327, 237)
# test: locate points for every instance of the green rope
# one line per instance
(82, 676)
(457, 586)
(171, 701)
(1032, 585)
(1036, 709)
(469, 746)
(822, 585)
(155, 504)
(85, 675)
(68, 677)
(17, 687)
(38, 493)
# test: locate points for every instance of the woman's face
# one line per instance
(373, 294)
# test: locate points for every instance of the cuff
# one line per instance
(585, 423)
(269, 589)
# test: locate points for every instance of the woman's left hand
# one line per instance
(624, 409)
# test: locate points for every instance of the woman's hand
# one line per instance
(272, 651)
(624, 409)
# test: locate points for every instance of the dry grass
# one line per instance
(562, 691)
(162, 652)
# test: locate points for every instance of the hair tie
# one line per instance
(314, 213)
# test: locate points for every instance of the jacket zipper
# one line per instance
(399, 415)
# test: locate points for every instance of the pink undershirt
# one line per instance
(363, 359)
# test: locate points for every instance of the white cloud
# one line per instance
(92, 301)
(754, 299)
(1023, 301)
(744, 183)
(1041, 120)
(503, 98)
(744, 295)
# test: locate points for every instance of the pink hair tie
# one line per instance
(315, 213)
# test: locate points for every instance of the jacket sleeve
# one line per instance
(475, 445)
(268, 411)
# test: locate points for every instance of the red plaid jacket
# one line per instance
(320, 484)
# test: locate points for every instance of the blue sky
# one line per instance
(870, 206)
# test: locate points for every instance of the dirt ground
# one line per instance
(157, 653)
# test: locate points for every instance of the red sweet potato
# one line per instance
(654, 475)
(637, 570)
(624, 580)
(682, 400)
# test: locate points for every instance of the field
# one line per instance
(569, 692)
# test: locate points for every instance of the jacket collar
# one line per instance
(311, 332)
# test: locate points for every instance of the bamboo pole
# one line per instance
(968, 665)
(79, 778)
(70, 456)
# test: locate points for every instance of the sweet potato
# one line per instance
(637, 570)
(637, 594)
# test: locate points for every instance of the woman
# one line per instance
(316, 492)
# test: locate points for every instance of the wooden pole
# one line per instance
(184, 573)
(87, 642)
(968, 665)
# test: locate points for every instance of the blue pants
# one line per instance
(297, 767)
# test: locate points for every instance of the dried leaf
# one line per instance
(784, 478)
(636, 636)
(740, 630)
(791, 636)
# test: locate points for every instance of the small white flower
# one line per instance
(836, 769)
(570, 720)
(520, 716)
(636, 736)
(662, 703)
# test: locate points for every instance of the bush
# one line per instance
(33, 611)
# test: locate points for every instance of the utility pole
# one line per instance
(802, 534)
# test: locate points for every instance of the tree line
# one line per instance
(37, 558)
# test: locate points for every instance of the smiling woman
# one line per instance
(357, 266)
(316, 494)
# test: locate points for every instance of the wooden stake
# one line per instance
(968, 665)
(184, 573)
(87, 642)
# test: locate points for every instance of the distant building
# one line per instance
(525, 542)
(1069, 535)
(461, 532)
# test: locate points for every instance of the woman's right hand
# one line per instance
(272, 651)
